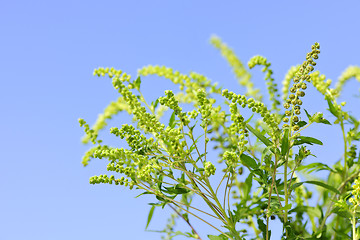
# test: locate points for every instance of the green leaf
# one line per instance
(247, 121)
(301, 123)
(314, 167)
(342, 212)
(151, 212)
(332, 109)
(156, 103)
(261, 137)
(341, 234)
(248, 161)
(172, 120)
(324, 121)
(262, 227)
(137, 83)
(308, 115)
(248, 185)
(311, 211)
(143, 194)
(193, 146)
(220, 237)
(176, 190)
(308, 140)
(321, 184)
(285, 143)
(318, 118)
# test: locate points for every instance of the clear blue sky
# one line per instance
(48, 50)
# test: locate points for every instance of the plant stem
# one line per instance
(270, 191)
(187, 221)
(286, 192)
(353, 226)
(333, 200)
(345, 149)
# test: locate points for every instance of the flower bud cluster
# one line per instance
(287, 80)
(110, 180)
(272, 87)
(258, 107)
(112, 109)
(134, 138)
(297, 90)
(90, 133)
(162, 71)
(241, 73)
(205, 106)
(170, 101)
(89, 154)
(351, 155)
(355, 200)
(193, 114)
(238, 126)
(191, 83)
(133, 165)
(147, 121)
(110, 72)
(209, 168)
(203, 82)
(319, 82)
(350, 72)
(231, 159)
(218, 117)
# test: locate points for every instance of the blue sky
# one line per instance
(48, 50)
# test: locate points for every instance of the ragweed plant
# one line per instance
(262, 171)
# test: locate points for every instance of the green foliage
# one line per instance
(170, 162)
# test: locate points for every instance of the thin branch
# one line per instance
(187, 221)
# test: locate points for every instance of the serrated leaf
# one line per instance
(321, 184)
(285, 143)
(261, 137)
(248, 161)
(308, 140)
(151, 212)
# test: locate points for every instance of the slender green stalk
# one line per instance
(270, 191)
(354, 227)
(334, 199)
(345, 150)
(187, 221)
(220, 182)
